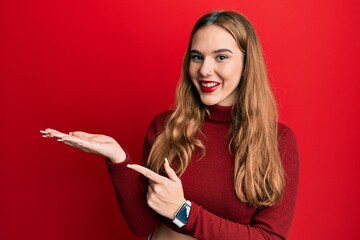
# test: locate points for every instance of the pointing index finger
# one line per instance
(146, 172)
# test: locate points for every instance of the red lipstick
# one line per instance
(208, 86)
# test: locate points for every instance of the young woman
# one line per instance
(219, 165)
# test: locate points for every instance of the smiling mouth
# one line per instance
(209, 86)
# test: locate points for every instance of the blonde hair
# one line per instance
(258, 172)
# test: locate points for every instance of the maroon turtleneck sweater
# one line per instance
(216, 212)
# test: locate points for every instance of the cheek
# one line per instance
(232, 74)
(193, 73)
(192, 70)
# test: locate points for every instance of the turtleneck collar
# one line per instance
(220, 113)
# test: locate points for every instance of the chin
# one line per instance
(208, 102)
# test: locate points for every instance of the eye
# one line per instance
(196, 57)
(221, 58)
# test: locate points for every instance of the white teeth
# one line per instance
(209, 85)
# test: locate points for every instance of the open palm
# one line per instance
(93, 143)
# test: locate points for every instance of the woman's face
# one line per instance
(216, 65)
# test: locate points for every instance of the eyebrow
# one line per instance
(216, 51)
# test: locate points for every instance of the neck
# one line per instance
(220, 113)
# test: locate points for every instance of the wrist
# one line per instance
(182, 215)
(119, 157)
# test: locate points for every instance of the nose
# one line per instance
(207, 68)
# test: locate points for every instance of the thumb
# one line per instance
(170, 172)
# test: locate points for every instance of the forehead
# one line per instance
(212, 37)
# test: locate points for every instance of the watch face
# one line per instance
(182, 215)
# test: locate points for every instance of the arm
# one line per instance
(130, 187)
(130, 190)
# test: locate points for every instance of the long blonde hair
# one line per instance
(258, 172)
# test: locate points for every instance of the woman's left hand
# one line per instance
(165, 195)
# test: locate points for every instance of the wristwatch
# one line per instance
(182, 215)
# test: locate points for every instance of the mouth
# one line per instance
(208, 86)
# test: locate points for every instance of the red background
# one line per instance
(107, 66)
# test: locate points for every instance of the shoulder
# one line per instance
(160, 119)
(157, 125)
(288, 148)
(285, 134)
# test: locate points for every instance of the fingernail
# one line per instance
(129, 165)
(166, 160)
(70, 133)
(60, 140)
(42, 131)
(44, 136)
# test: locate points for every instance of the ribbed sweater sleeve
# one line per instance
(131, 188)
(130, 192)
